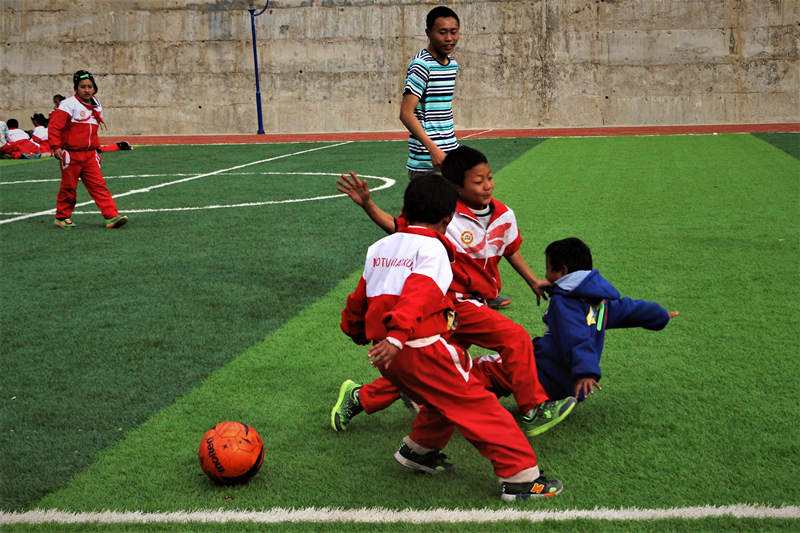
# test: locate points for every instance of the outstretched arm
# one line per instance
(536, 284)
(358, 191)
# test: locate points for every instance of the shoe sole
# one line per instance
(529, 496)
(335, 424)
(416, 467)
(118, 224)
(546, 427)
(64, 226)
(502, 305)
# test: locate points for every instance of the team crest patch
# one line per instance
(467, 237)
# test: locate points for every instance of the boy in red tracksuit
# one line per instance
(482, 231)
(72, 132)
(401, 306)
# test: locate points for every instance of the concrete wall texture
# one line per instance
(171, 67)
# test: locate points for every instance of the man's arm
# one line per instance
(536, 284)
(358, 191)
(407, 106)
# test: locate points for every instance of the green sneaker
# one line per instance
(116, 222)
(347, 406)
(64, 223)
(548, 414)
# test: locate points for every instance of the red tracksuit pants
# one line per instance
(438, 377)
(514, 372)
(85, 166)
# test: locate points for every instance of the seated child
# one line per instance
(583, 305)
(39, 134)
(18, 143)
(400, 306)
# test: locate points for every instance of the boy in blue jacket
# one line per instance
(583, 305)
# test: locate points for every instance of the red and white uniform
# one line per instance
(18, 143)
(402, 297)
(480, 245)
(39, 136)
(73, 128)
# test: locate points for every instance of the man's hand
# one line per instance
(437, 157)
(354, 187)
(586, 386)
(383, 353)
(58, 153)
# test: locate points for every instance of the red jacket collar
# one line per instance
(426, 232)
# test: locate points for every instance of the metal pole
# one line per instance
(253, 16)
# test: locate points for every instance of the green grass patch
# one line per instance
(102, 329)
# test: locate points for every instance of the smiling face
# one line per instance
(85, 90)
(443, 36)
(476, 191)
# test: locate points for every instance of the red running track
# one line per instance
(785, 127)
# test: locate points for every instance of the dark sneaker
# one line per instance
(64, 223)
(116, 222)
(346, 406)
(541, 487)
(124, 145)
(547, 415)
(433, 462)
(501, 302)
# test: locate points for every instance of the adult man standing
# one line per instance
(426, 109)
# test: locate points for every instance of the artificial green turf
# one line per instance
(693, 415)
(101, 329)
(788, 142)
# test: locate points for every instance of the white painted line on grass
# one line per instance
(387, 182)
(383, 516)
(175, 182)
(477, 133)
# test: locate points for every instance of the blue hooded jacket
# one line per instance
(583, 305)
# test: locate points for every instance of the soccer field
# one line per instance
(221, 297)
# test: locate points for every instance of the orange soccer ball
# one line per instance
(231, 453)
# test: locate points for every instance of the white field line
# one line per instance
(175, 182)
(383, 516)
(477, 133)
(387, 182)
(127, 176)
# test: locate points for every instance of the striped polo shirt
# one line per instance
(434, 84)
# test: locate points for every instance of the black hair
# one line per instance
(439, 12)
(458, 161)
(59, 97)
(83, 75)
(12, 123)
(429, 199)
(571, 252)
(39, 119)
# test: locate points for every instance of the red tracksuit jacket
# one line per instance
(402, 291)
(74, 125)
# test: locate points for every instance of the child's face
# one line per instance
(85, 90)
(478, 186)
(554, 275)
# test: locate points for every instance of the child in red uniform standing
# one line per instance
(72, 132)
(483, 231)
(400, 306)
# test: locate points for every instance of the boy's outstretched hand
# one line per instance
(585, 386)
(354, 187)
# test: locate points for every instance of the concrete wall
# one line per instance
(333, 65)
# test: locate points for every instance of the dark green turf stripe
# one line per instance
(788, 142)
